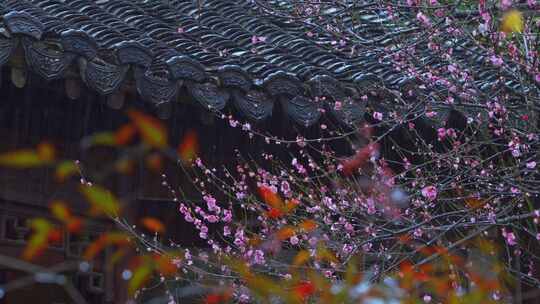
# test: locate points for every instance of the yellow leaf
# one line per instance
(301, 258)
(39, 239)
(324, 254)
(140, 276)
(60, 211)
(100, 139)
(101, 200)
(151, 129)
(65, 169)
(512, 21)
(116, 257)
(21, 159)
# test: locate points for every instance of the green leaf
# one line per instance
(101, 200)
(39, 239)
(22, 159)
(66, 169)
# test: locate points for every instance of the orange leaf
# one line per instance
(254, 241)
(308, 225)
(291, 204)
(46, 152)
(406, 267)
(188, 149)
(359, 159)
(301, 258)
(125, 134)
(124, 166)
(55, 236)
(404, 238)
(62, 213)
(102, 201)
(154, 162)
(474, 202)
(285, 233)
(151, 130)
(107, 239)
(153, 224)
(270, 198)
(165, 265)
(75, 225)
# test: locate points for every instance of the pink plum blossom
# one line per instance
(423, 19)
(429, 192)
(510, 237)
(496, 60)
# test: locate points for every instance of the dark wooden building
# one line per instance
(71, 67)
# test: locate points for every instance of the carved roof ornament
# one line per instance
(349, 111)
(255, 105)
(326, 86)
(304, 111)
(183, 67)
(78, 42)
(209, 95)
(47, 61)
(22, 23)
(101, 76)
(132, 52)
(157, 90)
(233, 76)
(281, 83)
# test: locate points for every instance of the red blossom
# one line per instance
(360, 158)
(304, 289)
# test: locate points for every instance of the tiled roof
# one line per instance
(223, 52)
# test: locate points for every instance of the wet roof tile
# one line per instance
(222, 51)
